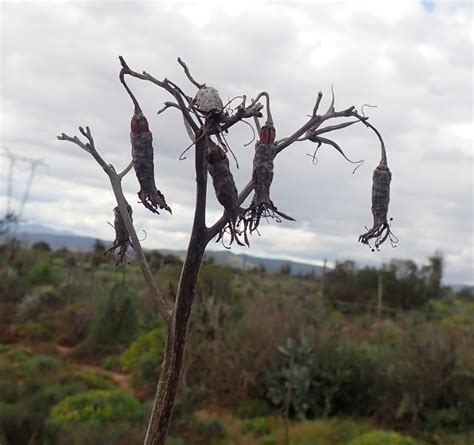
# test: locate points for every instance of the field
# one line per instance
(360, 356)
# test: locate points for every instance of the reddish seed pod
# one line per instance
(267, 134)
(142, 155)
(139, 124)
(214, 154)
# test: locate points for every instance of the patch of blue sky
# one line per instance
(428, 5)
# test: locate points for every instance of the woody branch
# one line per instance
(116, 183)
(309, 131)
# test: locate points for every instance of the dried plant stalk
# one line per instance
(142, 156)
(226, 193)
(122, 237)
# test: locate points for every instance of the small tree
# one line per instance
(206, 120)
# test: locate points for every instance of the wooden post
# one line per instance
(379, 298)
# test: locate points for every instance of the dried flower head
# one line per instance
(381, 179)
(262, 177)
(142, 156)
(226, 193)
(122, 237)
(208, 101)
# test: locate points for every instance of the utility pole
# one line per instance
(379, 298)
(323, 280)
(34, 164)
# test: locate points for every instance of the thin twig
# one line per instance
(127, 169)
(116, 182)
(318, 101)
(173, 91)
(188, 74)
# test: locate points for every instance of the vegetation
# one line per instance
(82, 347)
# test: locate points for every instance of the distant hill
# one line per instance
(58, 240)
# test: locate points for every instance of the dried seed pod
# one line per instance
(268, 133)
(142, 156)
(226, 192)
(122, 237)
(380, 199)
(208, 101)
(262, 177)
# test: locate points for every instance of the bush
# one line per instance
(202, 428)
(257, 426)
(144, 356)
(384, 438)
(250, 408)
(29, 386)
(33, 331)
(41, 273)
(334, 379)
(95, 407)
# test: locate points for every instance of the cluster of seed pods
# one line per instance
(122, 237)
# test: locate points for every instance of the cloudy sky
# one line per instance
(413, 59)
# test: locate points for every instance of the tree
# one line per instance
(206, 121)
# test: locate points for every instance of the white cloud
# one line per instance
(60, 67)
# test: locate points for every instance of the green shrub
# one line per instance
(267, 440)
(257, 426)
(384, 438)
(202, 428)
(144, 356)
(29, 386)
(112, 362)
(33, 331)
(41, 273)
(115, 322)
(250, 408)
(95, 407)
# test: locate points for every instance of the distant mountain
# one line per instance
(271, 265)
(59, 241)
(38, 228)
(33, 233)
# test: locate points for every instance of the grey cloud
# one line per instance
(62, 71)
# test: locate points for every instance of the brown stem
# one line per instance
(116, 182)
(172, 366)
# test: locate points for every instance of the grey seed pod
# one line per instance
(380, 230)
(262, 176)
(208, 100)
(142, 155)
(226, 192)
